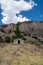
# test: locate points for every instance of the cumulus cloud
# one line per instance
(12, 7)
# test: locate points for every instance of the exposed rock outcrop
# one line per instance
(27, 28)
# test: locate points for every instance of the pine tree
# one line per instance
(18, 34)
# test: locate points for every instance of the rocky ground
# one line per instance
(26, 54)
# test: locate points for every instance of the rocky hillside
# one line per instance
(28, 29)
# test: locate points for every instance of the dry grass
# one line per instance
(26, 54)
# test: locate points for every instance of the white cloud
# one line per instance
(13, 7)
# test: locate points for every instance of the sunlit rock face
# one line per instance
(27, 29)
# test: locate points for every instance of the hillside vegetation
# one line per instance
(27, 30)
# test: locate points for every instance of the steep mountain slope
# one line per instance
(28, 29)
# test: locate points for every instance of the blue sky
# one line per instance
(36, 13)
(0, 16)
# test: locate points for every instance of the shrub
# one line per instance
(25, 34)
(37, 43)
(12, 40)
(14, 37)
(41, 42)
(2, 30)
(31, 42)
(1, 40)
(34, 37)
(7, 39)
(29, 34)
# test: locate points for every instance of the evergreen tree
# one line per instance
(18, 34)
